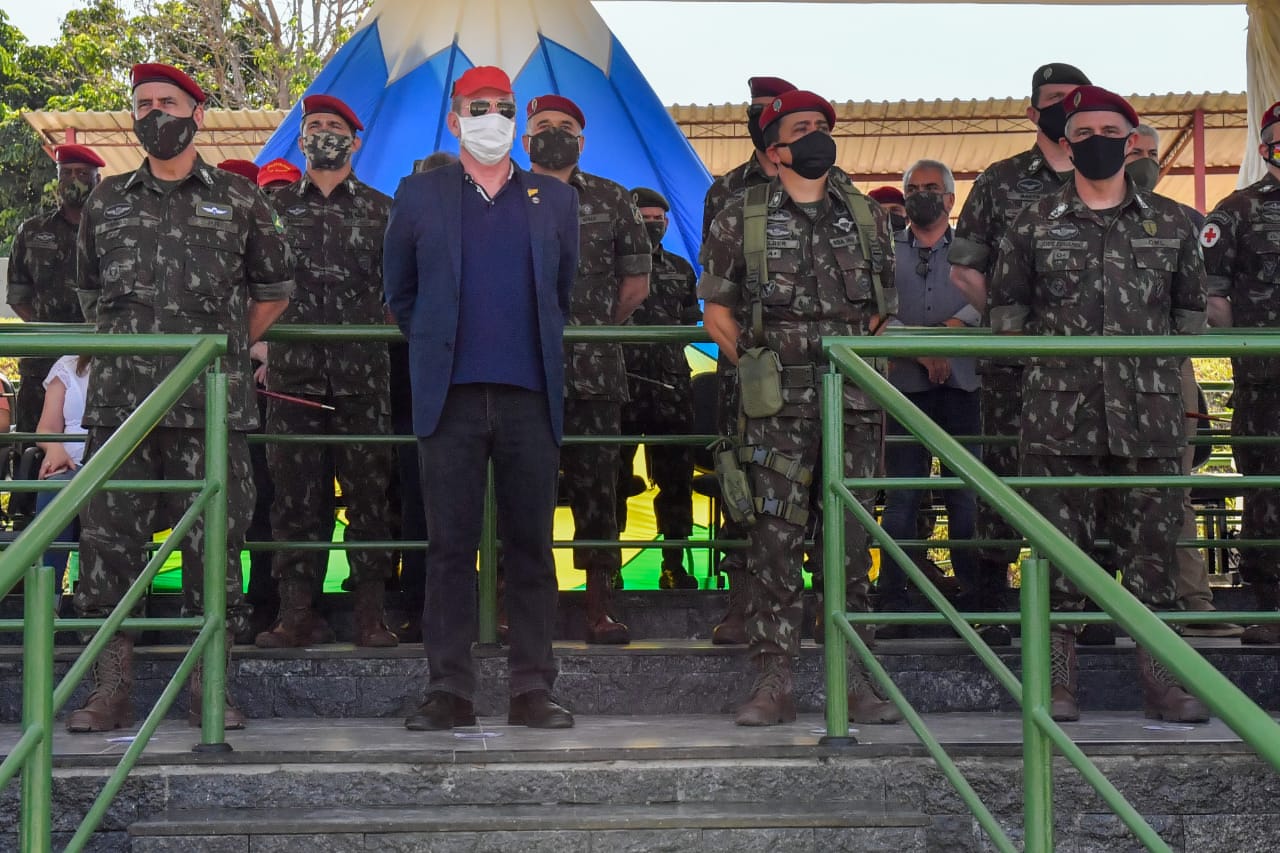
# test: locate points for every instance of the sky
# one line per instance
(702, 53)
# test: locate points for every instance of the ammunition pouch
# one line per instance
(760, 382)
(735, 488)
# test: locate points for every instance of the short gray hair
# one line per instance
(948, 179)
(1149, 132)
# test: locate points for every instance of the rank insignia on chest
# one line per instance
(213, 210)
(1150, 227)
(776, 199)
(1058, 211)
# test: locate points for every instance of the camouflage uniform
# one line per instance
(337, 250)
(819, 285)
(42, 274)
(657, 410)
(1067, 270)
(998, 195)
(180, 259)
(613, 244)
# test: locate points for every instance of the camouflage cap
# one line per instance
(645, 197)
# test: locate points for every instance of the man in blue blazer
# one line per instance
(478, 265)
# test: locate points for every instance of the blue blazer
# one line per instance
(422, 273)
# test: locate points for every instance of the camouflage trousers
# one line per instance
(116, 526)
(660, 411)
(1142, 523)
(303, 477)
(590, 482)
(727, 424)
(1001, 403)
(776, 546)
(1256, 411)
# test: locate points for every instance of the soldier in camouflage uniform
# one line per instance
(335, 225)
(757, 170)
(825, 268)
(1102, 257)
(1241, 242)
(997, 197)
(613, 279)
(661, 393)
(175, 246)
(41, 282)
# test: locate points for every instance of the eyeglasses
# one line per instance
(922, 266)
(507, 109)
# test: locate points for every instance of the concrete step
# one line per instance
(561, 827)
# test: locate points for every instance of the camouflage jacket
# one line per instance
(727, 187)
(337, 255)
(672, 301)
(42, 274)
(184, 260)
(1066, 270)
(819, 284)
(612, 243)
(1241, 242)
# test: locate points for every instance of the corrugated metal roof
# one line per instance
(877, 139)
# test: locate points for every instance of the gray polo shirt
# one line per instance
(926, 297)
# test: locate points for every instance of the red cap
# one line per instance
(77, 154)
(768, 87)
(558, 103)
(797, 101)
(158, 72)
(330, 104)
(481, 77)
(1084, 99)
(1271, 116)
(278, 170)
(244, 168)
(888, 195)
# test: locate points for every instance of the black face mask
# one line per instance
(1099, 157)
(924, 208)
(1053, 121)
(657, 230)
(326, 150)
(812, 155)
(1145, 173)
(553, 149)
(164, 136)
(754, 111)
(897, 221)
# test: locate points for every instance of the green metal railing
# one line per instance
(1041, 735)
(33, 754)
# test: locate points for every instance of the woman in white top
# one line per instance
(65, 391)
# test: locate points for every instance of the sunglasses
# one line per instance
(922, 266)
(506, 109)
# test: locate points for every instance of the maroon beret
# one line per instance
(1083, 99)
(158, 72)
(243, 168)
(558, 103)
(888, 195)
(481, 77)
(277, 170)
(797, 101)
(768, 87)
(330, 104)
(1270, 117)
(77, 154)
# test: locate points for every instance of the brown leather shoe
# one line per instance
(602, 628)
(1063, 677)
(1163, 698)
(298, 625)
(537, 710)
(108, 706)
(441, 711)
(771, 702)
(868, 706)
(732, 629)
(371, 630)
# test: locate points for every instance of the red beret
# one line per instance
(77, 154)
(157, 72)
(330, 104)
(797, 101)
(1270, 117)
(244, 168)
(768, 87)
(278, 170)
(888, 195)
(558, 103)
(1083, 99)
(481, 77)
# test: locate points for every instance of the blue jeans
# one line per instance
(71, 533)
(957, 412)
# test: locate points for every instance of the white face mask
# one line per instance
(488, 137)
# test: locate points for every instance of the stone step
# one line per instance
(562, 827)
(645, 678)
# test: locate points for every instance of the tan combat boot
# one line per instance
(732, 629)
(771, 702)
(867, 704)
(1163, 698)
(602, 628)
(1267, 597)
(371, 630)
(109, 706)
(1063, 677)
(232, 717)
(299, 625)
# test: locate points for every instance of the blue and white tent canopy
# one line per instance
(397, 69)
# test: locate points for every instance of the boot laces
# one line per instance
(860, 683)
(1059, 663)
(772, 680)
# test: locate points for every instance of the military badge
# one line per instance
(1150, 227)
(1210, 235)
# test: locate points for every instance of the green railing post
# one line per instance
(214, 676)
(1037, 750)
(488, 604)
(36, 819)
(835, 651)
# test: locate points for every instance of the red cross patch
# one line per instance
(1210, 236)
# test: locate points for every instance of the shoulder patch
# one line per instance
(1210, 235)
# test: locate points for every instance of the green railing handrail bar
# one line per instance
(1163, 481)
(1212, 344)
